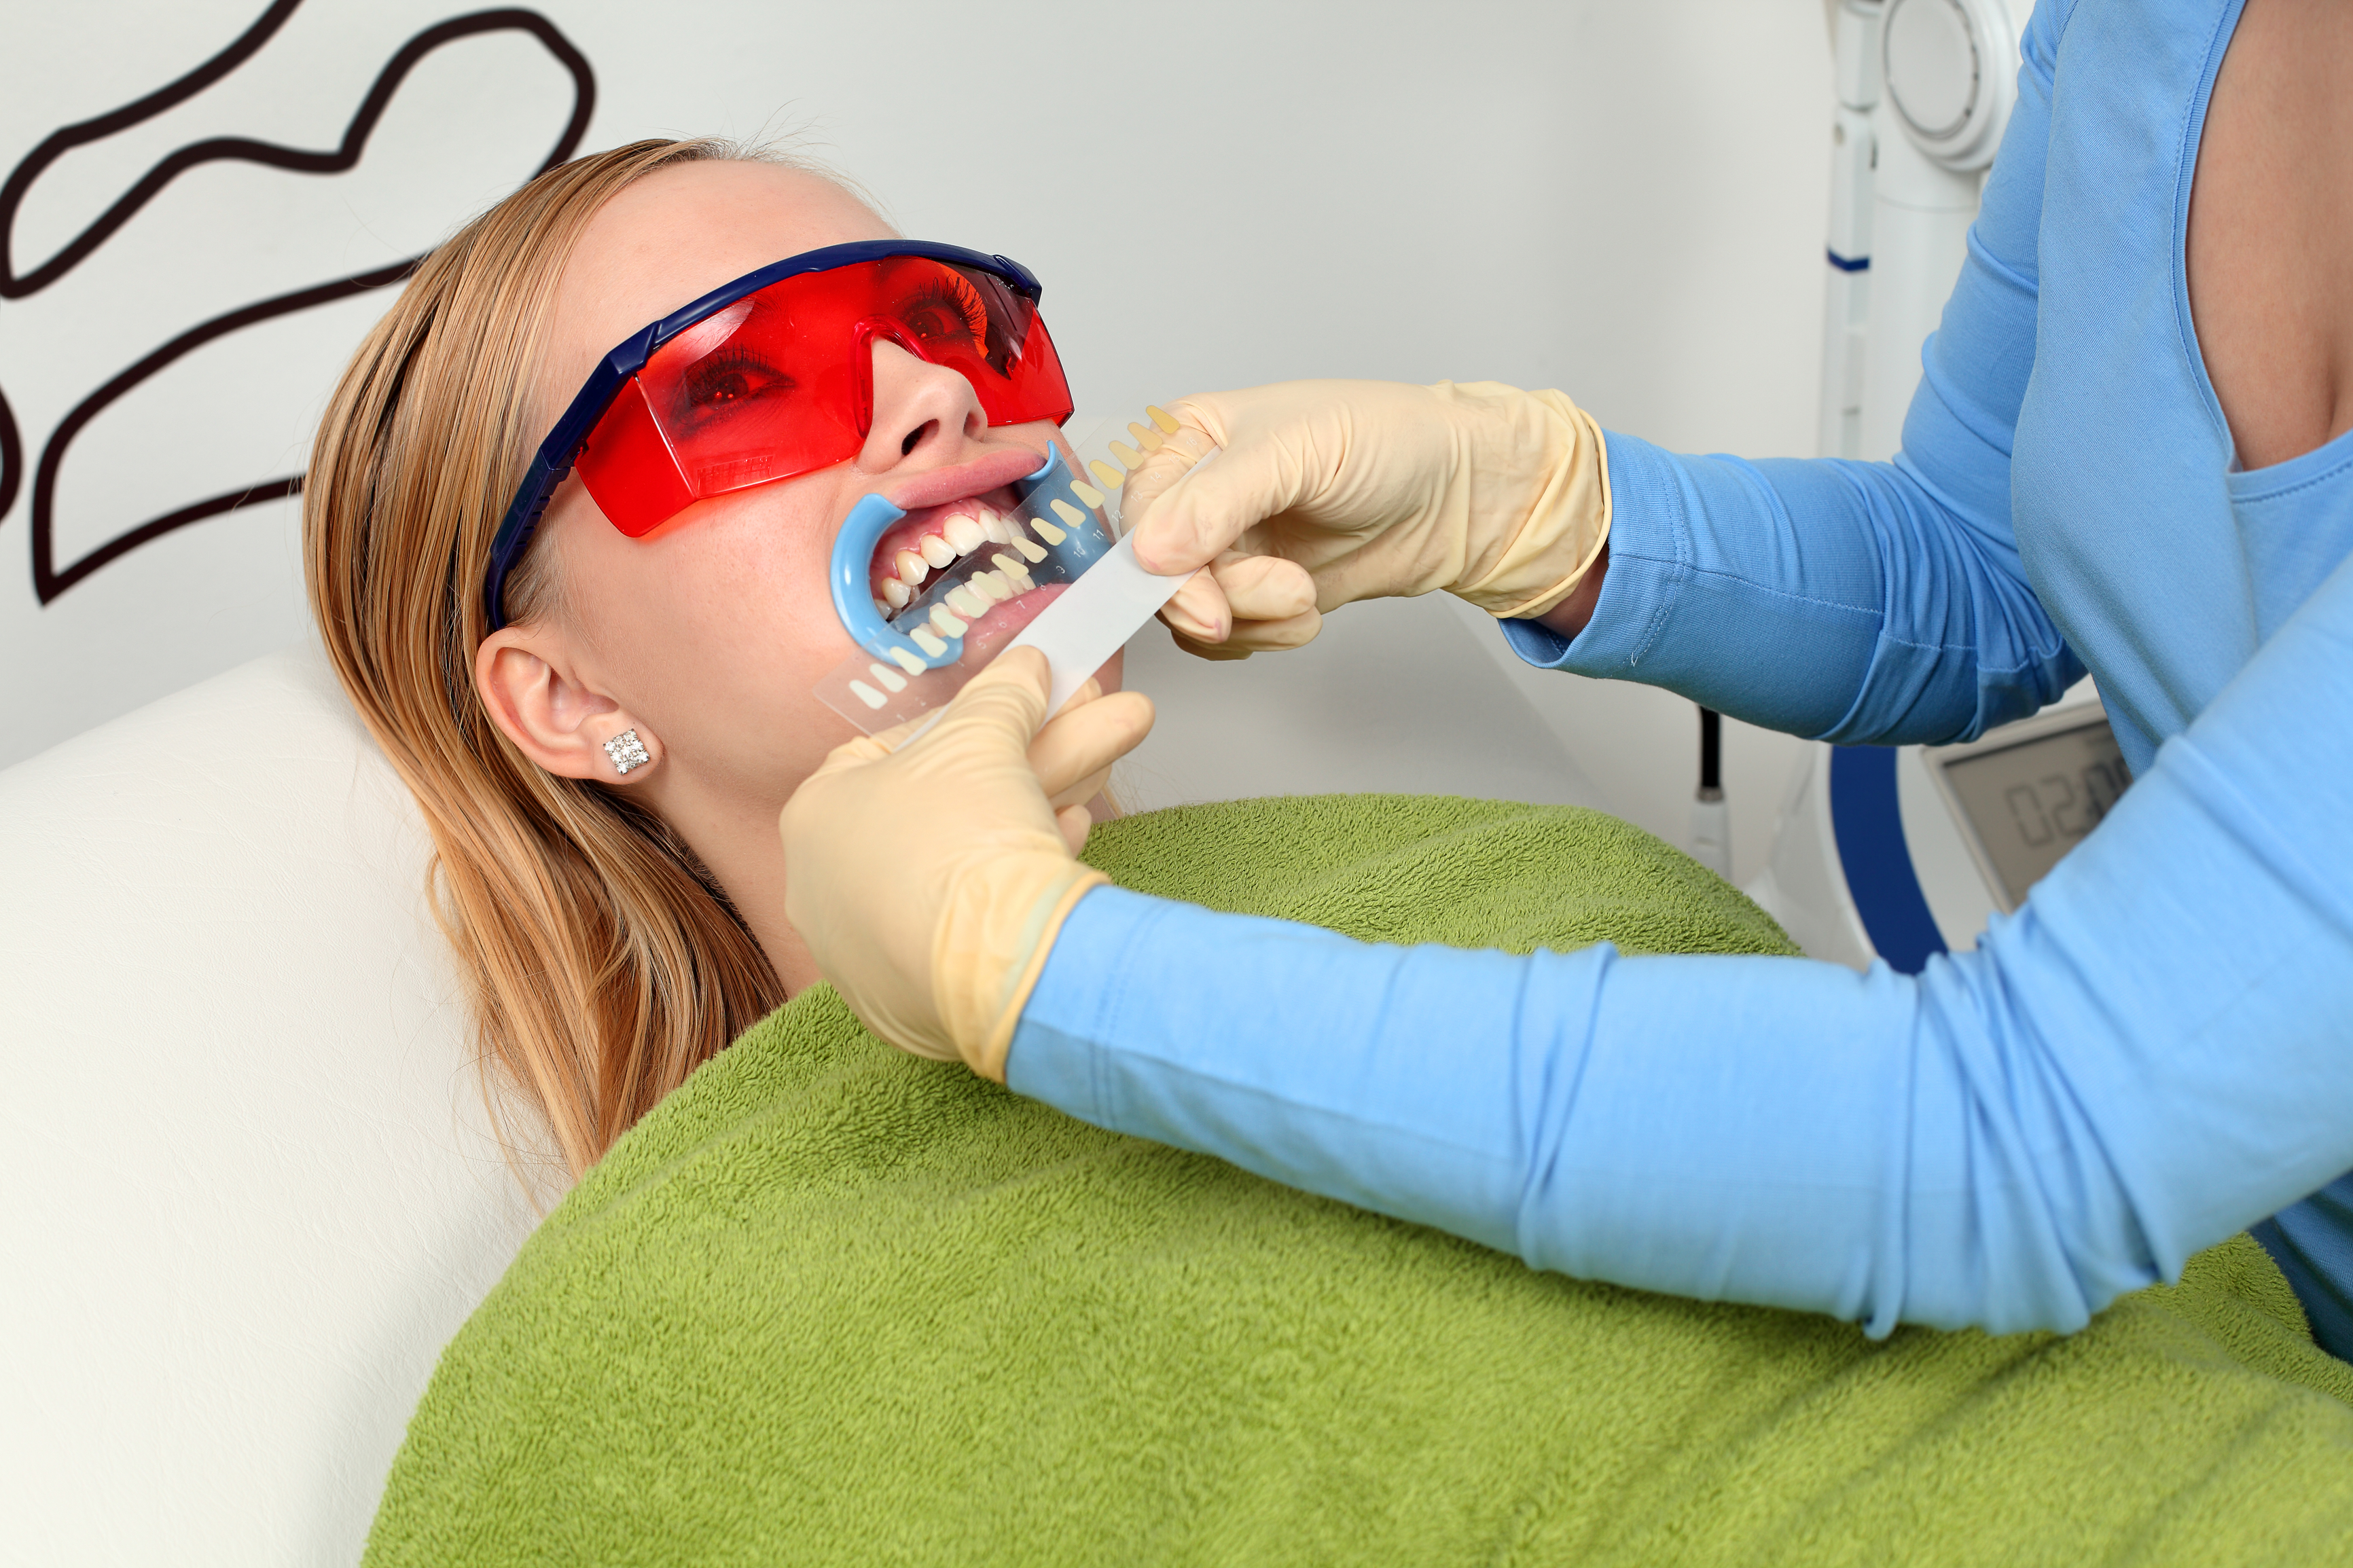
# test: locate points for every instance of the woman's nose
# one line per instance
(920, 410)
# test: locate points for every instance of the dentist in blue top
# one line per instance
(2129, 454)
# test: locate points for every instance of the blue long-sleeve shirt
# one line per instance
(2157, 1051)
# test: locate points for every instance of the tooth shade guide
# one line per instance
(1069, 514)
(945, 622)
(891, 679)
(1086, 493)
(1162, 417)
(1129, 458)
(868, 695)
(1148, 439)
(1028, 551)
(1111, 477)
(928, 641)
(966, 603)
(1045, 530)
(909, 662)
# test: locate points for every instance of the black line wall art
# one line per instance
(49, 578)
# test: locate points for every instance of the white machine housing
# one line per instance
(1890, 852)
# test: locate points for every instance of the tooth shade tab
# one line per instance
(944, 622)
(991, 586)
(936, 551)
(1047, 530)
(1129, 458)
(1162, 417)
(965, 603)
(868, 695)
(1148, 439)
(909, 662)
(1110, 478)
(1069, 514)
(928, 641)
(1029, 551)
(891, 679)
(1088, 495)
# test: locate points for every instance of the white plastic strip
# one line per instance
(1093, 619)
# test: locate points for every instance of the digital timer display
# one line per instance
(2029, 803)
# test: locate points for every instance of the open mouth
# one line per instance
(960, 569)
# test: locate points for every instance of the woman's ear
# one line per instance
(535, 696)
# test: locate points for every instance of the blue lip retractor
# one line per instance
(853, 593)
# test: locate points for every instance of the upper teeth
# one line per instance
(964, 534)
(959, 535)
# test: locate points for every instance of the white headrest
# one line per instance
(247, 1188)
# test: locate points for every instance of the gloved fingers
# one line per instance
(1197, 435)
(1274, 636)
(1209, 651)
(1084, 741)
(1007, 697)
(1264, 587)
(1074, 821)
(1198, 610)
(1181, 521)
(865, 749)
(1080, 793)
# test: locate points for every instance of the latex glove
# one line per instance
(930, 882)
(1375, 489)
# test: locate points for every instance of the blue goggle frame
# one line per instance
(554, 459)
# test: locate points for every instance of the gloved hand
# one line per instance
(1375, 489)
(930, 882)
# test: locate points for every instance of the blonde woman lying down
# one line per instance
(621, 918)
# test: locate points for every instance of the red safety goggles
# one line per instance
(773, 375)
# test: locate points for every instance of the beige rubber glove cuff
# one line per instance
(1554, 465)
(930, 882)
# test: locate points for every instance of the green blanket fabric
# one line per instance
(831, 1304)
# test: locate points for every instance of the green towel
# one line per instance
(831, 1304)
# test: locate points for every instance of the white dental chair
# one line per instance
(248, 1184)
(247, 1187)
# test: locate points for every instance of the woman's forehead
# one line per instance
(676, 234)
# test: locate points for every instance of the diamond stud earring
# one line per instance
(627, 751)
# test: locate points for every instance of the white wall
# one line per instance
(1625, 200)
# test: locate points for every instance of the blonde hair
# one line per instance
(603, 961)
